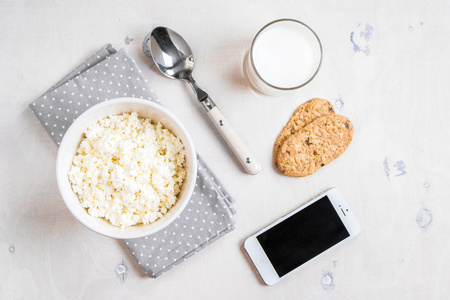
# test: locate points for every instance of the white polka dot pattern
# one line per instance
(110, 74)
(114, 76)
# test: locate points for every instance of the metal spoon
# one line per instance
(174, 58)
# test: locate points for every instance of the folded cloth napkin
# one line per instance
(111, 74)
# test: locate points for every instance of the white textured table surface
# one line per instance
(386, 61)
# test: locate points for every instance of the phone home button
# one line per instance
(261, 261)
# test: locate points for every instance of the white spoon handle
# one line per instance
(247, 160)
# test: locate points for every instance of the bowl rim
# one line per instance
(121, 233)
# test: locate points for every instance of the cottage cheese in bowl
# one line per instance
(126, 168)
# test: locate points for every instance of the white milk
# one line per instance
(286, 54)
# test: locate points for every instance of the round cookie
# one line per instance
(303, 115)
(315, 146)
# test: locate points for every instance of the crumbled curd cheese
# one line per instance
(128, 170)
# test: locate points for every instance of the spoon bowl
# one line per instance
(170, 52)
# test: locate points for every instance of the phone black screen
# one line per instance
(303, 236)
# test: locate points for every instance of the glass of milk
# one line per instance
(285, 55)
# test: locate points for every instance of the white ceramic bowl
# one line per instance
(72, 139)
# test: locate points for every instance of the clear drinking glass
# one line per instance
(285, 55)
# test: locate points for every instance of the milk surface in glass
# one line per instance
(286, 54)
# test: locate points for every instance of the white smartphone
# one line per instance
(297, 238)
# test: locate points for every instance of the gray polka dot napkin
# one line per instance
(111, 74)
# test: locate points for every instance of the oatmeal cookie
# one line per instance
(314, 146)
(303, 115)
